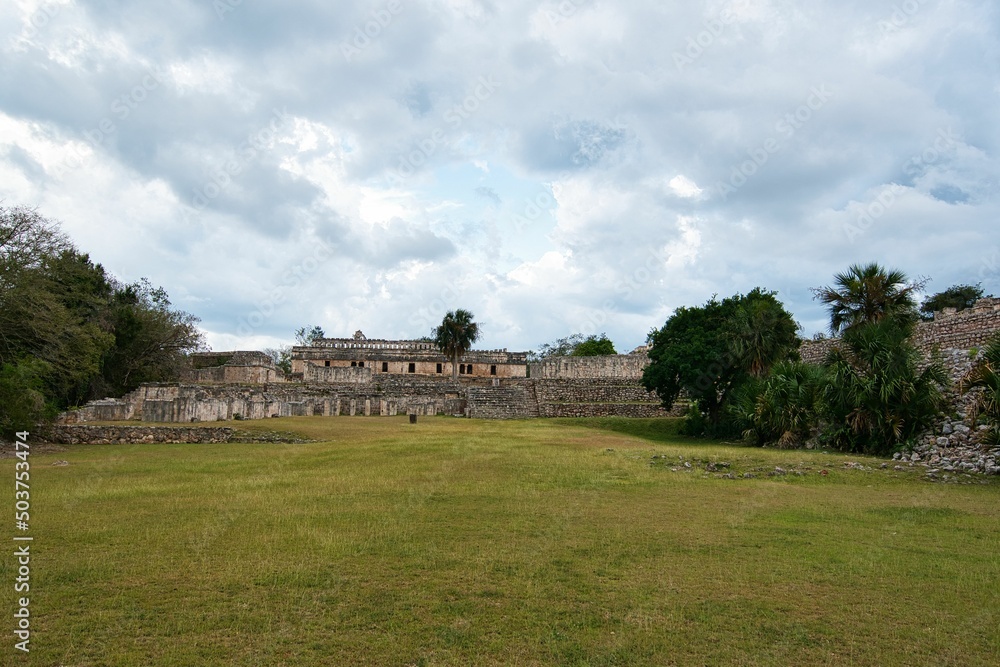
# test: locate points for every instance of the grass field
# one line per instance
(464, 542)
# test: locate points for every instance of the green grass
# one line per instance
(464, 542)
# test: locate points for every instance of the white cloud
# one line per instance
(590, 106)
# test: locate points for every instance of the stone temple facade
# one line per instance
(319, 361)
(362, 376)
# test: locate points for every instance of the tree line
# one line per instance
(71, 332)
(737, 361)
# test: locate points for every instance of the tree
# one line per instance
(984, 377)
(707, 352)
(150, 338)
(561, 347)
(281, 356)
(763, 332)
(307, 336)
(956, 296)
(593, 346)
(455, 336)
(70, 332)
(868, 293)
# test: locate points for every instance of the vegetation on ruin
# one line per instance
(959, 297)
(574, 345)
(69, 331)
(536, 542)
(983, 379)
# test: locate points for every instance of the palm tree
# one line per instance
(456, 335)
(762, 332)
(869, 293)
(985, 375)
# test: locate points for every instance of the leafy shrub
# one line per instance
(782, 408)
(876, 398)
(984, 376)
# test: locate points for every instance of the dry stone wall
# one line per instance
(609, 367)
(77, 434)
(964, 330)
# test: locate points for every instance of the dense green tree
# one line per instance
(707, 352)
(455, 336)
(956, 296)
(869, 293)
(23, 402)
(593, 346)
(150, 338)
(69, 332)
(878, 393)
(763, 332)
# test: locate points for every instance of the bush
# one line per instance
(875, 398)
(984, 377)
(782, 408)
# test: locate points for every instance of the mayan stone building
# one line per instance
(398, 357)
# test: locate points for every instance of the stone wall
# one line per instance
(612, 366)
(241, 366)
(583, 397)
(77, 434)
(331, 374)
(963, 330)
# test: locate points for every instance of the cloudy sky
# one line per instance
(554, 167)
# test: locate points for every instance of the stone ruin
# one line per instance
(362, 376)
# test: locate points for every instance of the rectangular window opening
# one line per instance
(412, 368)
(493, 369)
(385, 366)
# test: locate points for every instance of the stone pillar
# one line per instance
(354, 406)
(336, 407)
(326, 407)
(368, 407)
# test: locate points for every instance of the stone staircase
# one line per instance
(509, 401)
